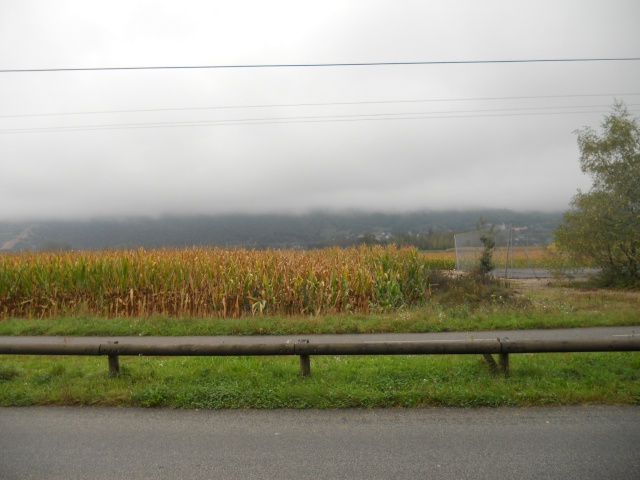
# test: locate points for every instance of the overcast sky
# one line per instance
(383, 138)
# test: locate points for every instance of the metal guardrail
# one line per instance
(304, 349)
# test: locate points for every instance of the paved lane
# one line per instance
(547, 334)
(566, 443)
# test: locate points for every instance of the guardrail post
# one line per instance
(114, 363)
(504, 357)
(493, 366)
(503, 362)
(502, 365)
(305, 362)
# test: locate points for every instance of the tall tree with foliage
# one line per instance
(603, 225)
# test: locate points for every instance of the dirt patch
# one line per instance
(533, 284)
(578, 290)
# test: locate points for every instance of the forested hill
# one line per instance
(432, 229)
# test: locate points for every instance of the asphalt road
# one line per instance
(540, 272)
(532, 443)
(546, 334)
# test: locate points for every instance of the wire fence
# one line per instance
(512, 254)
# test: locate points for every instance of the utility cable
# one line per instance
(315, 65)
(289, 120)
(323, 104)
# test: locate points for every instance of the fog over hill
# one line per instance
(314, 230)
(132, 108)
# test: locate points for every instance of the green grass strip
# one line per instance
(336, 382)
(458, 318)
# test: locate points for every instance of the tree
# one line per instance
(488, 238)
(603, 225)
(369, 239)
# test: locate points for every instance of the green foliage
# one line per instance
(485, 262)
(603, 225)
(8, 372)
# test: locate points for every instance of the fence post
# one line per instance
(114, 363)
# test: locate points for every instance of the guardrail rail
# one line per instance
(502, 347)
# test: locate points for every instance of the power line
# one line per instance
(316, 119)
(231, 123)
(323, 104)
(316, 65)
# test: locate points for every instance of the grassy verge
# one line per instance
(452, 320)
(336, 382)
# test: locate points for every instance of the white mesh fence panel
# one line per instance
(469, 248)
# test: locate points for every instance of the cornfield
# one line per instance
(211, 282)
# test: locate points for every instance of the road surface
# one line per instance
(546, 334)
(566, 443)
(532, 272)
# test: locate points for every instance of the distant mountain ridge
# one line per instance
(313, 230)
